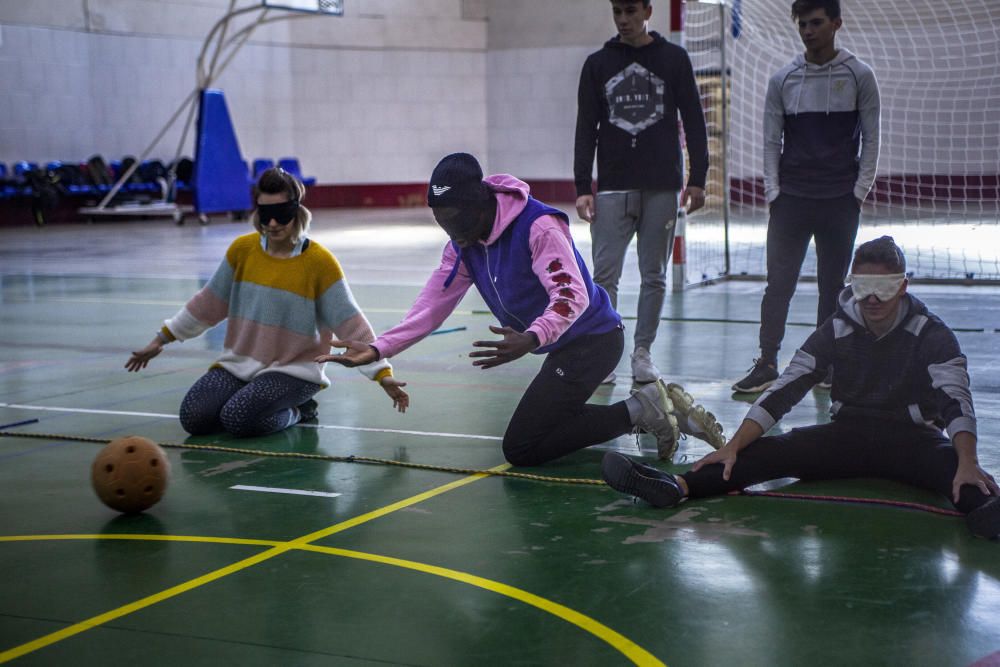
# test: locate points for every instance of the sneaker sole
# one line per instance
(621, 475)
(984, 521)
(752, 390)
(664, 451)
(707, 423)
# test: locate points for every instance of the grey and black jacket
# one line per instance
(915, 373)
(816, 118)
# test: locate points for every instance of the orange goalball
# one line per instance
(130, 474)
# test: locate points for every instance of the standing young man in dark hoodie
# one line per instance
(630, 94)
(519, 255)
(819, 111)
(901, 407)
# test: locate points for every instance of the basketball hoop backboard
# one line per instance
(333, 7)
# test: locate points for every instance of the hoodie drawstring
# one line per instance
(829, 87)
(798, 97)
(454, 270)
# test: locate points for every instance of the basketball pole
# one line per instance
(204, 79)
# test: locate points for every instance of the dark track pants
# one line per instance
(843, 449)
(833, 223)
(553, 417)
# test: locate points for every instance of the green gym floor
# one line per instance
(406, 566)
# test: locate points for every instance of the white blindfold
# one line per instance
(883, 286)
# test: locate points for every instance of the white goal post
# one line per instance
(937, 189)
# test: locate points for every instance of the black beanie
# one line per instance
(457, 181)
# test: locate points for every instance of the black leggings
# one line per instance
(219, 401)
(843, 449)
(553, 417)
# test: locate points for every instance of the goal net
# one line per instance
(937, 191)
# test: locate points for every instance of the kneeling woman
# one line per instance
(284, 296)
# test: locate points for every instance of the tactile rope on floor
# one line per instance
(321, 457)
(472, 471)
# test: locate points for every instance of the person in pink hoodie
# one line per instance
(519, 255)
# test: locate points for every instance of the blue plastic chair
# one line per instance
(22, 167)
(6, 189)
(260, 165)
(291, 165)
(21, 182)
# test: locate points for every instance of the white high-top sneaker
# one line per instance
(643, 370)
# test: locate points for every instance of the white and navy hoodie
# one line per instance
(915, 373)
(816, 118)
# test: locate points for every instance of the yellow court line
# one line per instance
(624, 645)
(619, 642)
(277, 550)
(100, 619)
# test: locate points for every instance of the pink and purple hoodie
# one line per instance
(528, 272)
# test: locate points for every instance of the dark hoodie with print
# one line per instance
(627, 109)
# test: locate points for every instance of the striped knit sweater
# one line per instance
(281, 312)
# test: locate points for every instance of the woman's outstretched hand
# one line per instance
(394, 389)
(141, 358)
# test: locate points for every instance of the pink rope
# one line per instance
(863, 501)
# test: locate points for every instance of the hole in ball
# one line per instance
(108, 467)
(130, 449)
(120, 492)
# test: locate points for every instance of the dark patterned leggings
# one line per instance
(219, 401)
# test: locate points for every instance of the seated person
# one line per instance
(284, 296)
(899, 382)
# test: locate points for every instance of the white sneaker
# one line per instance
(643, 370)
(694, 419)
(657, 418)
(610, 379)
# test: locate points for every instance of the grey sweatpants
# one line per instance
(649, 215)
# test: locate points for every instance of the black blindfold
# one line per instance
(282, 213)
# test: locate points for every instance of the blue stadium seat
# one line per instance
(7, 187)
(291, 165)
(21, 170)
(260, 165)
(22, 167)
(183, 170)
(71, 177)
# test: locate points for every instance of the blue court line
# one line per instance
(32, 451)
(21, 423)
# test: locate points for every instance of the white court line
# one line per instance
(85, 410)
(330, 426)
(402, 432)
(293, 492)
